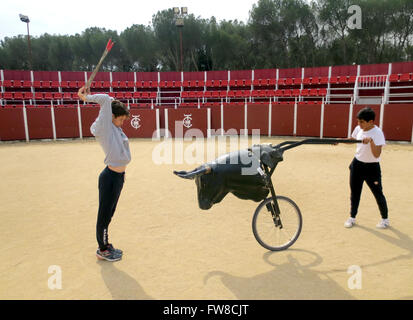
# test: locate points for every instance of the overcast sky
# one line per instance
(69, 17)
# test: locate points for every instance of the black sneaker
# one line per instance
(111, 248)
(108, 255)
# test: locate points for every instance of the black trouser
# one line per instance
(110, 186)
(371, 173)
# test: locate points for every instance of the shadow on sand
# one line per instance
(289, 280)
(121, 285)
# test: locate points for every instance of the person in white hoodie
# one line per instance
(366, 166)
(115, 144)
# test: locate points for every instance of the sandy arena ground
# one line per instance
(174, 250)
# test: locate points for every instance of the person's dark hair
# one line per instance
(119, 109)
(366, 114)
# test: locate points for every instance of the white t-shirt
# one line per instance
(363, 152)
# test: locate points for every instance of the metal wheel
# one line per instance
(277, 232)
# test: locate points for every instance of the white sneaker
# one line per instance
(383, 224)
(350, 222)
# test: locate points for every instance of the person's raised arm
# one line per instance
(104, 119)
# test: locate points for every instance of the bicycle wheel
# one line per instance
(274, 234)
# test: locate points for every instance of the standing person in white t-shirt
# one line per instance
(366, 166)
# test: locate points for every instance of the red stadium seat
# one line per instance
(256, 82)
(342, 79)
(122, 84)
(323, 80)
(7, 96)
(306, 81)
(130, 84)
(288, 81)
(201, 83)
(313, 92)
(63, 84)
(119, 95)
(334, 80)
(209, 83)
(8, 83)
(146, 84)
(231, 94)
(139, 84)
(55, 84)
(272, 82)
(154, 84)
(18, 96)
(232, 83)
(394, 78)
(279, 93)
(248, 83)
(223, 83)
(153, 95)
(115, 84)
(297, 81)
(287, 93)
(105, 84)
(199, 94)
(281, 82)
(207, 94)
(128, 95)
(322, 92)
(37, 84)
(136, 95)
(17, 83)
(223, 93)
(67, 96)
(72, 84)
(177, 84)
(162, 84)
(215, 94)
(239, 94)
(28, 95)
(169, 84)
(352, 79)
(405, 77)
(38, 96)
(186, 84)
(57, 96)
(111, 94)
(255, 93)
(296, 93)
(27, 84)
(304, 92)
(46, 84)
(48, 95)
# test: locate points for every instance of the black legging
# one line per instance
(110, 187)
(371, 173)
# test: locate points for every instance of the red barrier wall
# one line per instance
(12, 124)
(39, 122)
(66, 122)
(141, 124)
(216, 118)
(398, 122)
(336, 120)
(195, 119)
(234, 118)
(88, 115)
(257, 118)
(282, 120)
(308, 120)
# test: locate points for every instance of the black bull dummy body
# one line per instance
(239, 172)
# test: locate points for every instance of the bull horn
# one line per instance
(194, 173)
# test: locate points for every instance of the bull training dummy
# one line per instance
(239, 172)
